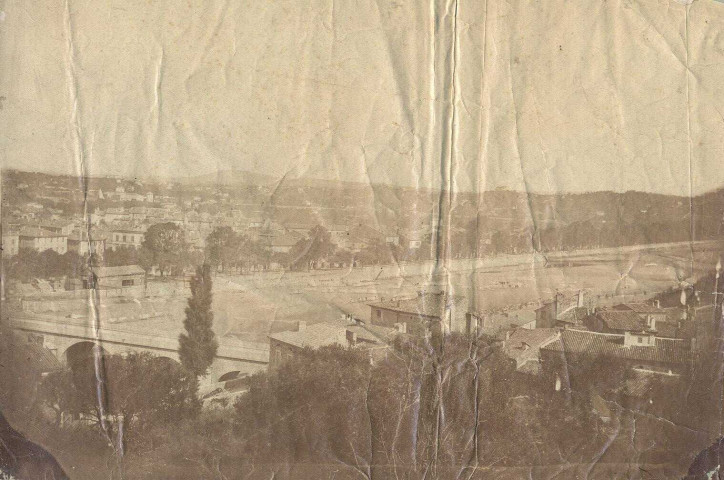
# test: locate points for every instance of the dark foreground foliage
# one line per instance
(458, 411)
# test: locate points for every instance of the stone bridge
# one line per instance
(60, 335)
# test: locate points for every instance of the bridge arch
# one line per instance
(229, 376)
(82, 352)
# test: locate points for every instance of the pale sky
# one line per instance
(548, 96)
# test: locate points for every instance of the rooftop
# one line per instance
(622, 320)
(428, 305)
(55, 223)
(523, 340)
(573, 315)
(640, 308)
(665, 350)
(102, 272)
(313, 336)
(372, 333)
(35, 232)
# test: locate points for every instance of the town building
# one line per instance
(10, 243)
(339, 235)
(427, 313)
(286, 346)
(643, 351)
(361, 236)
(80, 243)
(131, 278)
(623, 321)
(650, 313)
(492, 323)
(40, 240)
(125, 237)
(117, 214)
(55, 226)
(523, 345)
(562, 311)
(285, 242)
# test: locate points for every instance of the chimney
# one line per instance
(301, 326)
(657, 304)
(351, 338)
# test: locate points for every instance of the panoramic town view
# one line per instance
(241, 327)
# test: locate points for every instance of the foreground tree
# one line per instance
(138, 392)
(197, 347)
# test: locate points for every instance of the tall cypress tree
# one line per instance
(197, 347)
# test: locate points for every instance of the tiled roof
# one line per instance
(628, 320)
(429, 305)
(640, 308)
(668, 330)
(574, 315)
(372, 333)
(55, 223)
(495, 322)
(128, 229)
(622, 320)
(611, 345)
(35, 232)
(102, 272)
(534, 338)
(313, 336)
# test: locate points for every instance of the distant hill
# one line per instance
(228, 178)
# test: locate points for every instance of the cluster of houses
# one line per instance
(653, 343)
(120, 213)
(56, 235)
(118, 228)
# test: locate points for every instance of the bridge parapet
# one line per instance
(230, 349)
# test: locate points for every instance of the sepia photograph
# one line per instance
(312, 239)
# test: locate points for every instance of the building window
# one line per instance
(127, 283)
(379, 314)
(641, 340)
(124, 238)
